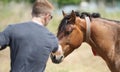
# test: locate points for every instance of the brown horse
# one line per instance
(101, 34)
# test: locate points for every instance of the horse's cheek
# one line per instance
(77, 41)
(80, 39)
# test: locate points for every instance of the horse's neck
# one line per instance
(102, 34)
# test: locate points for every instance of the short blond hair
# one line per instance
(41, 7)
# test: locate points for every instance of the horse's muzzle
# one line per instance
(56, 59)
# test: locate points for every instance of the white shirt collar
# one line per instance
(37, 22)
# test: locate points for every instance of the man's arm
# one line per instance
(55, 45)
(5, 38)
(2, 47)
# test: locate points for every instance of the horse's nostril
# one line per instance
(52, 56)
(62, 57)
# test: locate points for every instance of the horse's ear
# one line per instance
(64, 14)
(73, 16)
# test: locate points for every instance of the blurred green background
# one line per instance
(82, 59)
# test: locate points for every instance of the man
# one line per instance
(30, 42)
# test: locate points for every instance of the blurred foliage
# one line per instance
(7, 1)
(59, 2)
(67, 2)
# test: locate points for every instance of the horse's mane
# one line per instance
(82, 15)
(93, 15)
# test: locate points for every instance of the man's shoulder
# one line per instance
(22, 23)
(18, 26)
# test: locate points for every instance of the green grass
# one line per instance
(111, 15)
(14, 13)
(5, 15)
(53, 25)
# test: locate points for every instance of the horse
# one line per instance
(103, 35)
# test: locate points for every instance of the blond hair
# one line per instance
(41, 7)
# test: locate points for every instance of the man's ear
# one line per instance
(64, 14)
(47, 15)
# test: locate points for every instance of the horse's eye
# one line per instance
(67, 32)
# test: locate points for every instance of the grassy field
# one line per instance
(81, 60)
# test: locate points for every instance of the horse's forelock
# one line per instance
(64, 22)
(62, 25)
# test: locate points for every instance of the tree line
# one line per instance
(8, 1)
(59, 2)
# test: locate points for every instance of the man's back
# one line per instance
(30, 46)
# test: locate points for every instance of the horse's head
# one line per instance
(73, 30)
(70, 33)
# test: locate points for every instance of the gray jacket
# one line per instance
(30, 46)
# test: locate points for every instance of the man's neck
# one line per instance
(38, 20)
